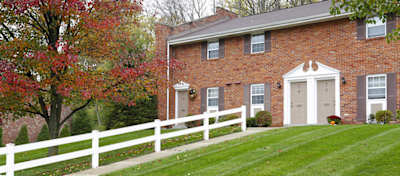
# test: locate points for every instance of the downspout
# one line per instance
(167, 80)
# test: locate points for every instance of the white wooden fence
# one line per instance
(95, 150)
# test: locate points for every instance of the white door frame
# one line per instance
(311, 77)
(369, 102)
(180, 86)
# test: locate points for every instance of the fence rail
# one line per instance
(95, 136)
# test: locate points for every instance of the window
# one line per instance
(376, 30)
(257, 94)
(376, 87)
(213, 50)
(212, 97)
(257, 43)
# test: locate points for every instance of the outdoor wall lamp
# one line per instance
(343, 80)
(278, 84)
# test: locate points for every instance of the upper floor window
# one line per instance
(376, 87)
(376, 30)
(212, 97)
(213, 50)
(257, 43)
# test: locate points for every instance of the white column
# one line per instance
(286, 102)
(244, 118)
(157, 134)
(95, 149)
(337, 95)
(206, 123)
(10, 160)
(311, 101)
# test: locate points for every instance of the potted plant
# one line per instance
(192, 93)
(334, 118)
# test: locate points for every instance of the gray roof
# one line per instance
(255, 21)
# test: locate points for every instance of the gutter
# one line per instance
(168, 60)
(270, 26)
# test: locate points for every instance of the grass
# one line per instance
(83, 163)
(311, 150)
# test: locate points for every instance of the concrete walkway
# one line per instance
(165, 153)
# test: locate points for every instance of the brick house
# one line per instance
(301, 64)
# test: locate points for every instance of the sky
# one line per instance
(148, 3)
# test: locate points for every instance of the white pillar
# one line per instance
(157, 134)
(95, 149)
(206, 124)
(10, 159)
(244, 118)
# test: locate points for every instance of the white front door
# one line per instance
(376, 94)
(298, 104)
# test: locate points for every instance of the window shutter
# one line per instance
(246, 99)
(204, 51)
(361, 99)
(221, 51)
(267, 97)
(203, 94)
(392, 92)
(221, 100)
(247, 43)
(391, 23)
(361, 29)
(267, 41)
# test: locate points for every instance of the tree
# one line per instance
(254, 7)
(22, 137)
(361, 9)
(57, 54)
(43, 134)
(174, 12)
(81, 123)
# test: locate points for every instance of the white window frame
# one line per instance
(208, 50)
(254, 106)
(251, 43)
(373, 25)
(212, 108)
(382, 101)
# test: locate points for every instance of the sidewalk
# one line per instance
(165, 153)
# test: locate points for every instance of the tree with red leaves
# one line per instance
(63, 54)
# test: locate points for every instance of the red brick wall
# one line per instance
(163, 31)
(11, 127)
(331, 43)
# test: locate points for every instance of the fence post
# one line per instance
(244, 118)
(10, 159)
(206, 123)
(157, 134)
(95, 149)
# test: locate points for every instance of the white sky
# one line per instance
(148, 4)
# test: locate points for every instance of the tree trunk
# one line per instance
(54, 120)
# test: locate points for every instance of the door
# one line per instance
(325, 100)
(298, 104)
(183, 100)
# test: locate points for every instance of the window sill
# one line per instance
(213, 59)
(376, 38)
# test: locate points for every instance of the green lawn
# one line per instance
(311, 150)
(79, 164)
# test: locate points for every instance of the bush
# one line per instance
(251, 122)
(398, 114)
(43, 134)
(121, 115)
(1, 137)
(80, 123)
(384, 116)
(211, 120)
(263, 119)
(334, 118)
(195, 123)
(228, 117)
(65, 132)
(371, 118)
(22, 137)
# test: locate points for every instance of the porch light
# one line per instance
(278, 84)
(343, 80)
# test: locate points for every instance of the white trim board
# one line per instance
(311, 77)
